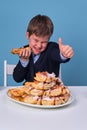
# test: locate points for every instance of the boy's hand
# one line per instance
(25, 53)
(66, 50)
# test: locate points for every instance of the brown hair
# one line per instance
(40, 25)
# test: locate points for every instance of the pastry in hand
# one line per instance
(17, 50)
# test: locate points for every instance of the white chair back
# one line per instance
(8, 70)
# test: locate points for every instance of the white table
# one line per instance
(14, 116)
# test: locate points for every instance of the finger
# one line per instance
(68, 53)
(60, 43)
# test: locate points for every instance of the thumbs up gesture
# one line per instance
(65, 50)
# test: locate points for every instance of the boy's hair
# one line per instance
(40, 25)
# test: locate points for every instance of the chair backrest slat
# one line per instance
(8, 70)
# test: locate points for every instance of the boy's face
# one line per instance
(38, 44)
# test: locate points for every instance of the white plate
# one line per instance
(43, 106)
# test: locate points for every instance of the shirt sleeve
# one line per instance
(24, 63)
(62, 57)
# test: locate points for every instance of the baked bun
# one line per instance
(30, 99)
(27, 84)
(44, 77)
(28, 89)
(55, 91)
(38, 85)
(49, 85)
(41, 77)
(61, 99)
(48, 100)
(16, 92)
(36, 92)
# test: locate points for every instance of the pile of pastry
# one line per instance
(46, 89)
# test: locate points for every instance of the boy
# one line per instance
(44, 55)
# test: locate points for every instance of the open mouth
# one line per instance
(36, 50)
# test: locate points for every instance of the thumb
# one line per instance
(60, 43)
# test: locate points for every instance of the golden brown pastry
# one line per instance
(38, 85)
(44, 77)
(17, 50)
(30, 99)
(61, 99)
(65, 90)
(48, 100)
(16, 92)
(28, 89)
(27, 84)
(54, 91)
(36, 92)
(46, 89)
(19, 98)
(50, 85)
(41, 76)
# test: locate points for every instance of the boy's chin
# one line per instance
(36, 53)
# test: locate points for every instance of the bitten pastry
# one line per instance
(17, 50)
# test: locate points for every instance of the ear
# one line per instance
(27, 35)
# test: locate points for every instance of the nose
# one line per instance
(39, 45)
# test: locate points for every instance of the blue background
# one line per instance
(70, 21)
